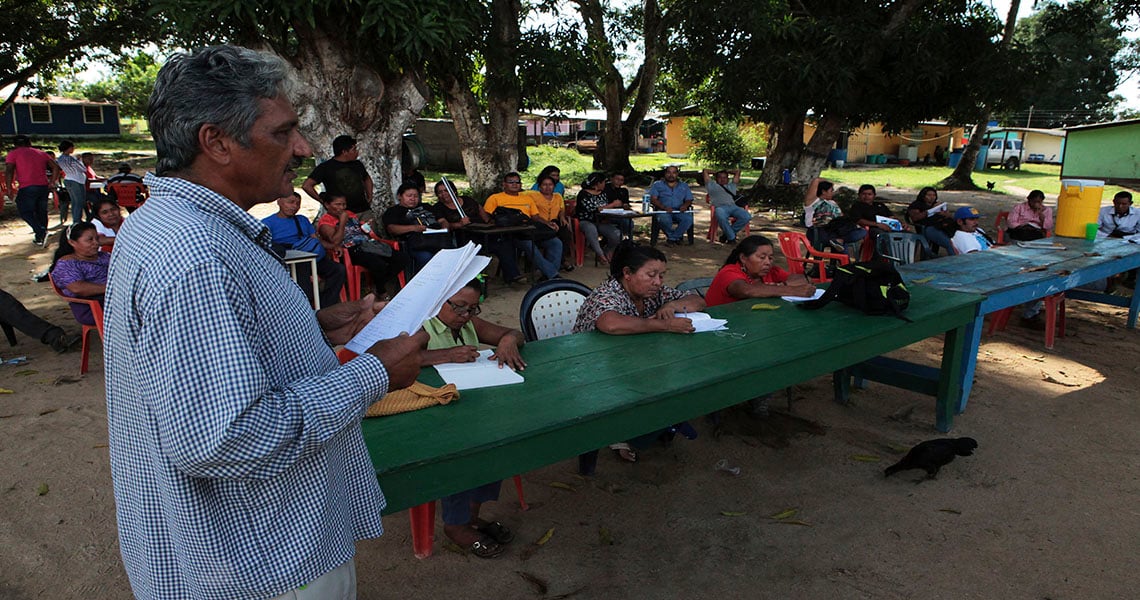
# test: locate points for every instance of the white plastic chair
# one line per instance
(550, 308)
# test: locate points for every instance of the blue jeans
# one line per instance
(725, 213)
(32, 202)
(675, 224)
(938, 239)
(78, 199)
(547, 257)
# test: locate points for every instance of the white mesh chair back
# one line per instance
(550, 308)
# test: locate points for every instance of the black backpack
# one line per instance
(873, 287)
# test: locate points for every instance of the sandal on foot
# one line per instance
(496, 531)
(485, 548)
(624, 452)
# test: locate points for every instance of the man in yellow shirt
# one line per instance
(550, 257)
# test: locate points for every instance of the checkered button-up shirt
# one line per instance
(238, 462)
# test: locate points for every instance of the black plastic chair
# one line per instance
(901, 247)
(550, 308)
(700, 285)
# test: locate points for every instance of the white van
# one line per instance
(1005, 153)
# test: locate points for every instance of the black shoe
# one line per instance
(63, 342)
(39, 242)
(722, 239)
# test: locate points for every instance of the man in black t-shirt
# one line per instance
(343, 175)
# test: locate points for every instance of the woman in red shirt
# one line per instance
(749, 273)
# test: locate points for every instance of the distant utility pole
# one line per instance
(1030, 117)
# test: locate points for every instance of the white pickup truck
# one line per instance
(1004, 153)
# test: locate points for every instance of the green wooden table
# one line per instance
(588, 390)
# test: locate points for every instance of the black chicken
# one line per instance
(932, 455)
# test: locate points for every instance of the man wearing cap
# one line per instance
(1120, 219)
(30, 168)
(969, 238)
(343, 175)
(125, 176)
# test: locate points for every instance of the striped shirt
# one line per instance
(73, 168)
(238, 463)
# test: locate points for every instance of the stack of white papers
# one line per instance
(936, 210)
(421, 299)
(484, 372)
(703, 322)
(619, 212)
(818, 292)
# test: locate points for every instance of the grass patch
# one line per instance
(1046, 178)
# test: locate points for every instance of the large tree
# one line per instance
(592, 54)
(358, 66)
(1080, 56)
(43, 36)
(482, 92)
(129, 84)
(839, 63)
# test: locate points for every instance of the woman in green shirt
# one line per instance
(454, 335)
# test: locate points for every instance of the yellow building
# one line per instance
(913, 145)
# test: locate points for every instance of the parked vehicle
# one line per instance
(586, 143)
(1005, 153)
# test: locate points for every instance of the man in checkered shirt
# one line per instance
(238, 462)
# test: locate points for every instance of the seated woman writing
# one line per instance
(108, 219)
(340, 228)
(79, 269)
(634, 300)
(410, 222)
(453, 336)
(749, 273)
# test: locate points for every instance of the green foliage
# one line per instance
(755, 139)
(46, 38)
(386, 35)
(862, 61)
(716, 143)
(130, 84)
(1078, 57)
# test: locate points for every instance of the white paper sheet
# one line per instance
(818, 292)
(618, 212)
(421, 299)
(484, 372)
(936, 210)
(703, 322)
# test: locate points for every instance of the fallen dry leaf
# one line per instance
(62, 379)
(1049, 379)
(538, 584)
(562, 486)
(950, 510)
(796, 522)
(42, 490)
(1036, 358)
(865, 458)
(784, 514)
(733, 513)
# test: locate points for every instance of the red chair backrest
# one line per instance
(127, 194)
(96, 308)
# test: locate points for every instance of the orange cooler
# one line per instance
(1077, 205)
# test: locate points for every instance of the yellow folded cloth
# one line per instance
(413, 397)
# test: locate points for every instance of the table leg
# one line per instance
(950, 393)
(315, 284)
(969, 359)
(1134, 306)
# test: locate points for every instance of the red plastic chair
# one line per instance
(128, 195)
(1000, 225)
(1054, 318)
(714, 225)
(96, 313)
(423, 516)
(794, 244)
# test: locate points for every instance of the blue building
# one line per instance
(60, 118)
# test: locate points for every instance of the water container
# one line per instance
(786, 176)
(1078, 204)
(645, 203)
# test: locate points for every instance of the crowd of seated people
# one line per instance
(419, 231)
(340, 229)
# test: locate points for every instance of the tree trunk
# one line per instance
(620, 138)
(335, 95)
(961, 178)
(783, 150)
(814, 155)
(489, 150)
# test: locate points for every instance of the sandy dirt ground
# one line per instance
(1046, 508)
